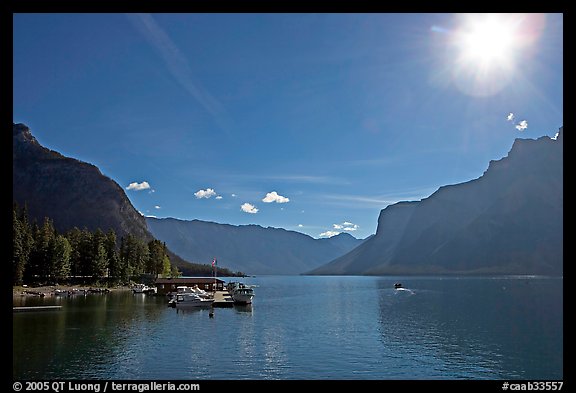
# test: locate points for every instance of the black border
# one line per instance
(265, 6)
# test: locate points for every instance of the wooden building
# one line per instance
(165, 285)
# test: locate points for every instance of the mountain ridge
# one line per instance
(250, 248)
(72, 193)
(507, 221)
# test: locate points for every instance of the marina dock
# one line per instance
(36, 308)
(222, 299)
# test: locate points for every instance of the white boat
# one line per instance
(201, 292)
(190, 300)
(241, 293)
(141, 288)
(193, 290)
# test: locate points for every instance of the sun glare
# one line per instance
(489, 42)
(489, 48)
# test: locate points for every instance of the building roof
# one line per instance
(187, 280)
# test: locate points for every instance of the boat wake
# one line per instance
(404, 290)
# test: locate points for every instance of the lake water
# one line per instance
(303, 327)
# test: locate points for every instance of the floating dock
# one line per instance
(36, 308)
(222, 299)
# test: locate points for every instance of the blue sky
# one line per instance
(309, 122)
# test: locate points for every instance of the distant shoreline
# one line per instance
(48, 290)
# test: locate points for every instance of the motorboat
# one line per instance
(190, 300)
(182, 290)
(242, 294)
(397, 285)
(60, 292)
(200, 292)
(142, 288)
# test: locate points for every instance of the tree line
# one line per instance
(42, 255)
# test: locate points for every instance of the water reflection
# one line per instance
(243, 308)
(80, 339)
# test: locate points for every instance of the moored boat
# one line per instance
(183, 289)
(142, 288)
(190, 300)
(241, 293)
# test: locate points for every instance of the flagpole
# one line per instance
(214, 263)
(211, 314)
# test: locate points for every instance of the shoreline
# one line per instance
(49, 290)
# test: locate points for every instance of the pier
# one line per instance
(222, 299)
(36, 308)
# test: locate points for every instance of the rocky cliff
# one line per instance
(71, 192)
(508, 221)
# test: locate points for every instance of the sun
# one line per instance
(488, 41)
(486, 52)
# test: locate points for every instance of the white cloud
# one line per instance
(329, 234)
(522, 125)
(233, 195)
(300, 226)
(219, 197)
(157, 207)
(207, 193)
(138, 186)
(510, 117)
(274, 197)
(249, 208)
(346, 226)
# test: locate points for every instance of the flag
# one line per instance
(214, 262)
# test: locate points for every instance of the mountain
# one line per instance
(71, 192)
(249, 248)
(508, 221)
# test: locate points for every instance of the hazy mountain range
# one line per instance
(249, 248)
(508, 221)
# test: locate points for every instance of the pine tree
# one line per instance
(86, 253)
(112, 257)
(123, 271)
(40, 262)
(100, 261)
(167, 267)
(20, 252)
(60, 258)
(74, 237)
(157, 254)
(174, 272)
(134, 255)
(99, 264)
